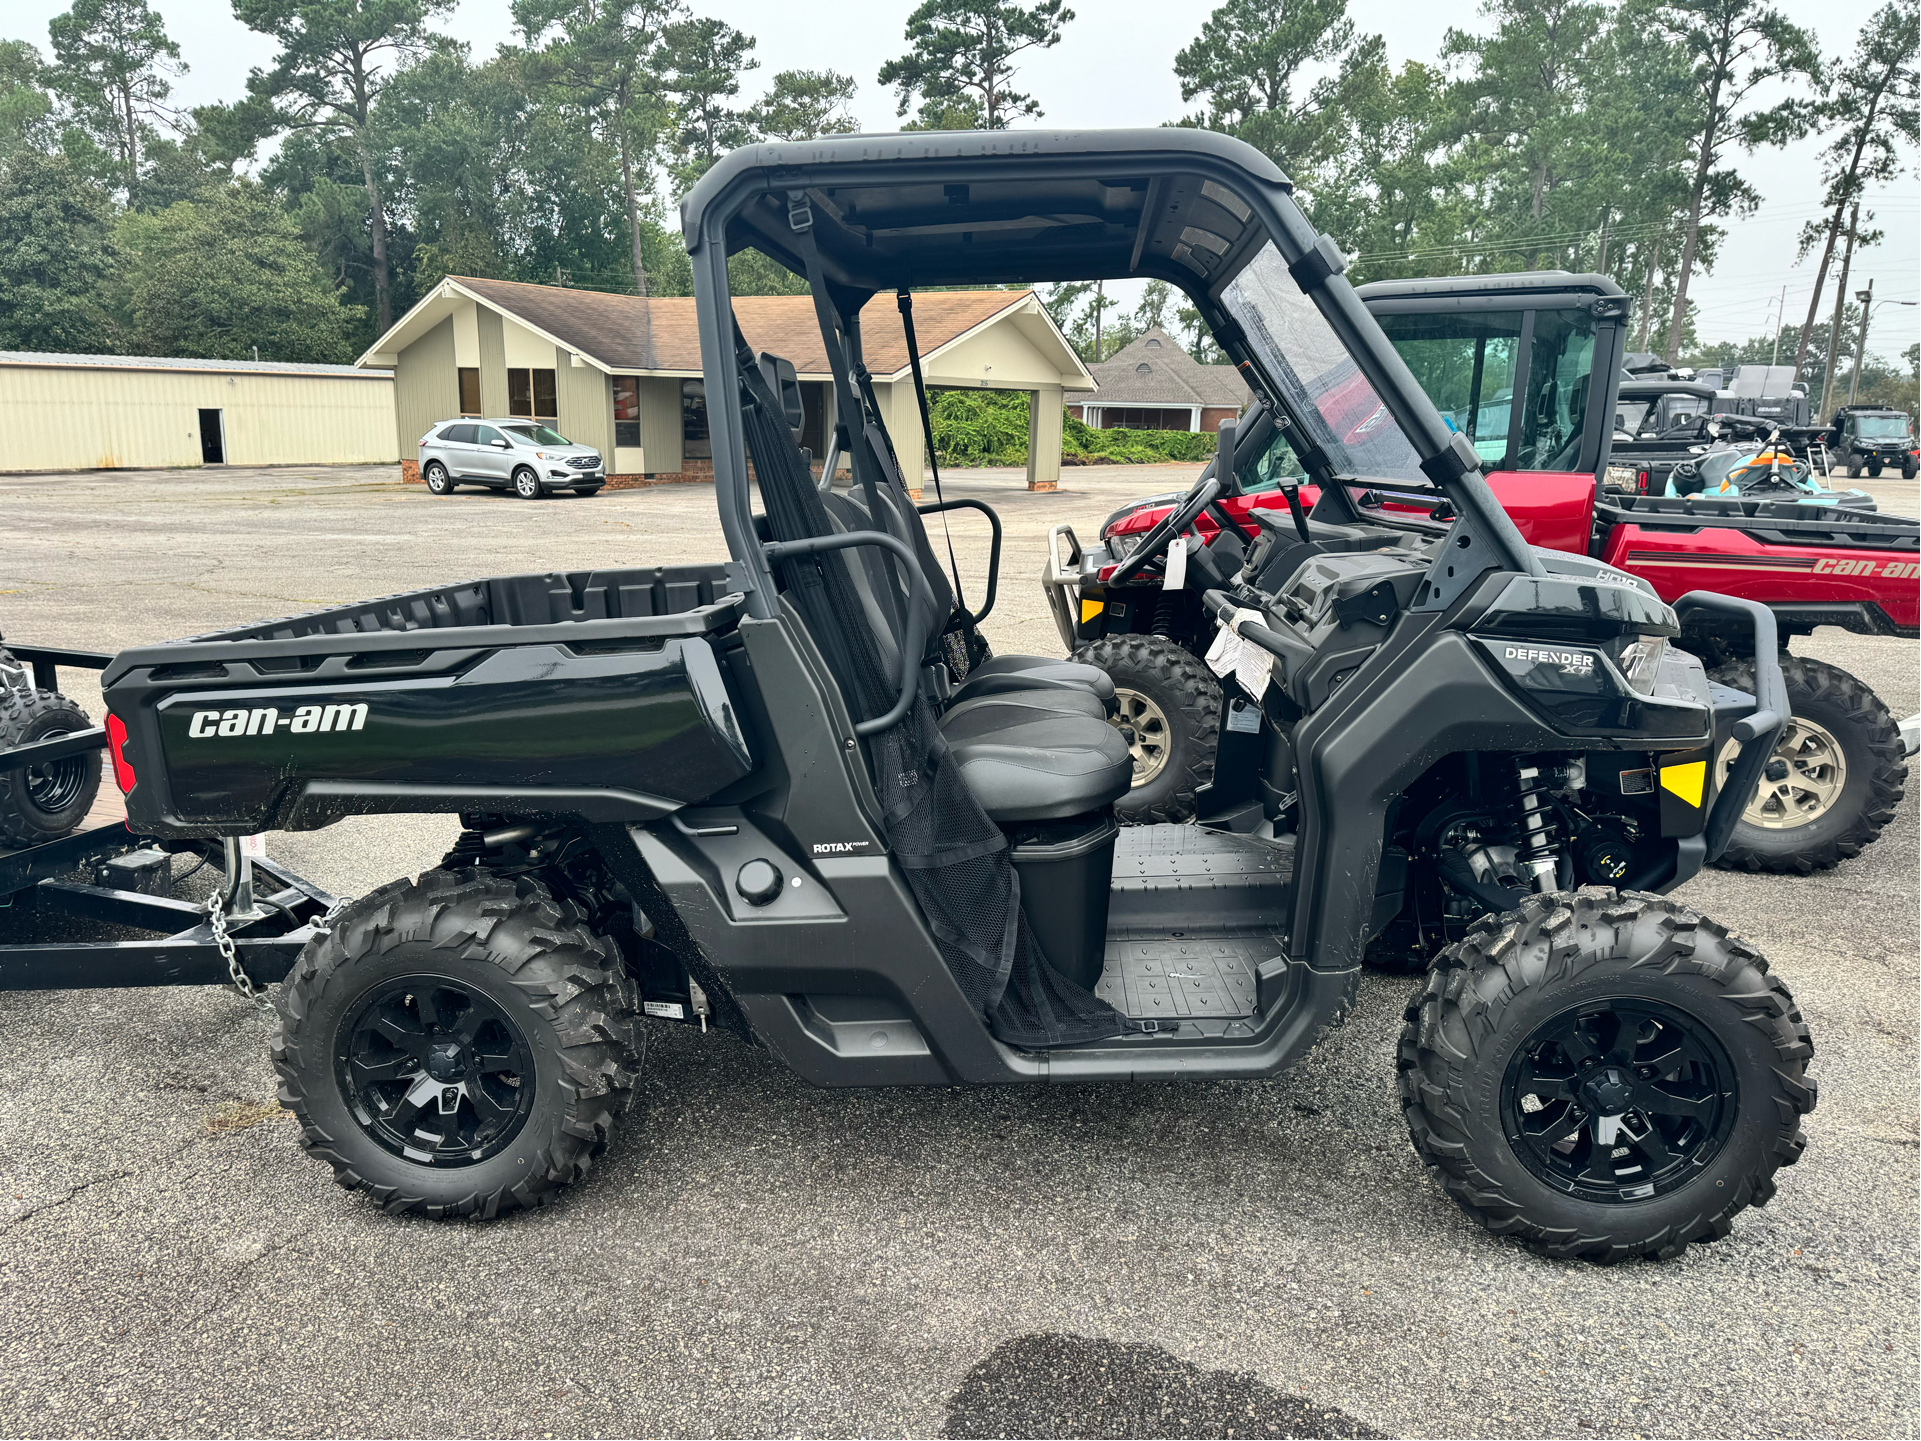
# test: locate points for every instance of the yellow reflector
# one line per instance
(1686, 781)
(1090, 609)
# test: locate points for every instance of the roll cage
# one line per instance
(1193, 208)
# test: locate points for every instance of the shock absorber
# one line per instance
(1167, 610)
(1538, 851)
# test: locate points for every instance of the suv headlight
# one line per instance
(1640, 663)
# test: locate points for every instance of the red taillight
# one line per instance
(1641, 479)
(117, 747)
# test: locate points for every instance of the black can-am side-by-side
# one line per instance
(795, 797)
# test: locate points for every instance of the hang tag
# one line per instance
(1250, 666)
(1243, 719)
(254, 848)
(1175, 576)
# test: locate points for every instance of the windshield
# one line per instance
(1881, 427)
(1319, 383)
(537, 435)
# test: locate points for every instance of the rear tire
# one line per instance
(47, 801)
(1834, 713)
(551, 1064)
(439, 482)
(1173, 704)
(527, 484)
(1874, 470)
(1558, 985)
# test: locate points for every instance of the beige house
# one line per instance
(109, 412)
(623, 373)
(1154, 384)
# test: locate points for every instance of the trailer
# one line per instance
(106, 875)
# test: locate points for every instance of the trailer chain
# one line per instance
(242, 982)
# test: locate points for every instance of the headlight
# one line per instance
(1122, 546)
(1641, 662)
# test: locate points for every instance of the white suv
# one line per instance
(522, 455)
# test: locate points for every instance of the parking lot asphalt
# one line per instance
(755, 1257)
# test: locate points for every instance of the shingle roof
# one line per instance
(1157, 370)
(632, 332)
(183, 362)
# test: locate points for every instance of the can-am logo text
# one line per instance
(1575, 660)
(265, 721)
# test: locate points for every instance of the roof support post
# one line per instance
(1044, 438)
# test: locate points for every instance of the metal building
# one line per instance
(106, 412)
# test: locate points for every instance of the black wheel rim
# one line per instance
(1619, 1100)
(56, 786)
(434, 1071)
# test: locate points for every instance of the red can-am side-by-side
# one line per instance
(1527, 367)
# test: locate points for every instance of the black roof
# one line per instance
(987, 207)
(1649, 389)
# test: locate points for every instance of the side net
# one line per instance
(954, 856)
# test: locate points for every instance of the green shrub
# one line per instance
(989, 427)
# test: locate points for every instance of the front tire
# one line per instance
(1603, 1075)
(459, 1045)
(1841, 773)
(46, 801)
(1854, 467)
(439, 482)
(527, 484)
(1172, 704)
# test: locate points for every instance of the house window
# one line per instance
(1115, 417)
(531, 393)
(627, 410)
(469, 390)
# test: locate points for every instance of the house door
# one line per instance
(213, 447)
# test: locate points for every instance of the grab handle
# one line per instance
(912, 643)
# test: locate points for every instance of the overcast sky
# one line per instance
(1114, 67)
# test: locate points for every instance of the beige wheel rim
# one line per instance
(1152, 741)
(1816, 773)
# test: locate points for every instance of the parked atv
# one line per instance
(1549, 344)
(41, 799)
(790, 796)
(1871, 438)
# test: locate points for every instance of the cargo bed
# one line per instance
(602, 694)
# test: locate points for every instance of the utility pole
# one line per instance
(1780, 323)
(1840, 302)
(1866, 297)
(1100, 305)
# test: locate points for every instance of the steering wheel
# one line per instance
(1179, 521)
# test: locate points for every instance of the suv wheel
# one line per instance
(1874, 469)
(460, 1045)
(1834, 780)
(1854, 467)
(1604, 1075)
(527, 484)
(438, 481)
